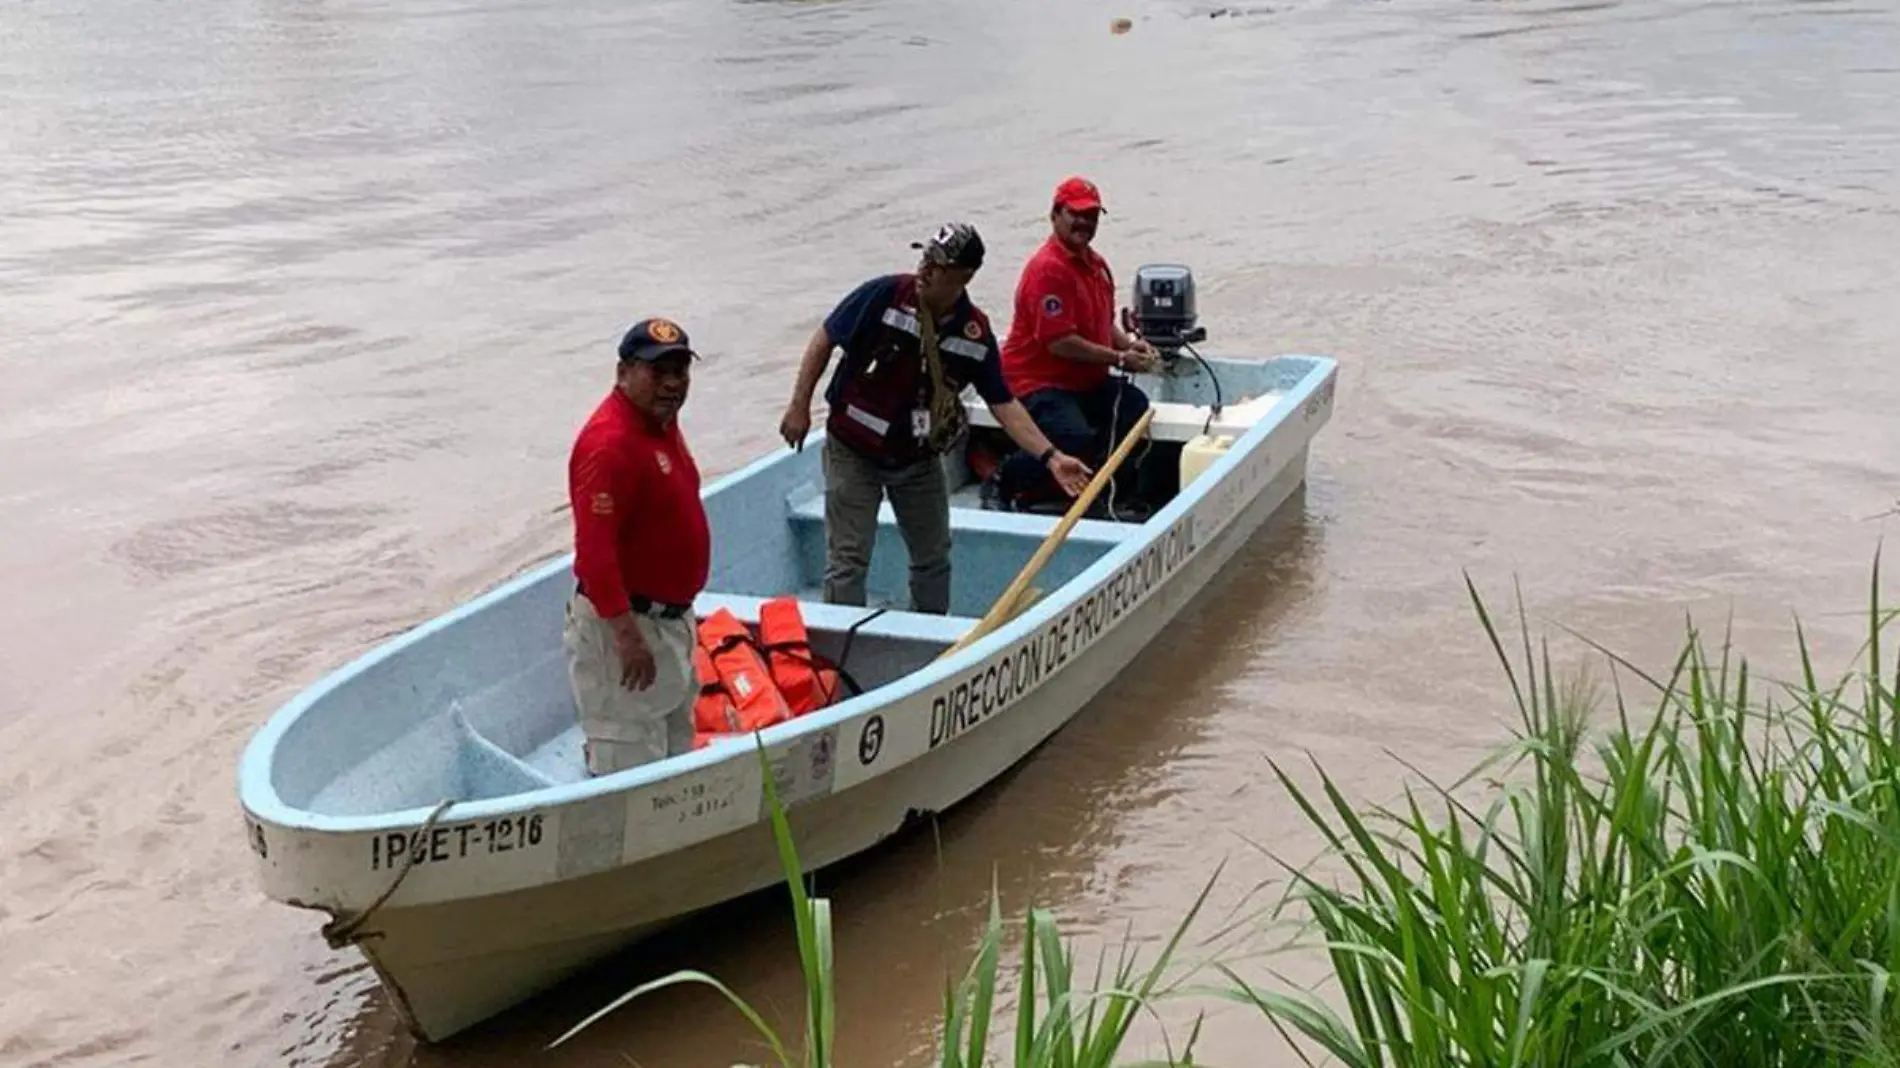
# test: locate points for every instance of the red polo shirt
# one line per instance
(1060, 293)
(639, 525)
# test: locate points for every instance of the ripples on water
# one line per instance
(304, 303)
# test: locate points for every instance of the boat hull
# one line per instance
(451, 964)
(429, 796)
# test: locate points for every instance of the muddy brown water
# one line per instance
(303, 302)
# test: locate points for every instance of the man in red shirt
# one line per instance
(642, 549)
(1063, 340)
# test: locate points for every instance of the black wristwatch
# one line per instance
(1046, 454)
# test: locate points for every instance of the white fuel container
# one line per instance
(1200, 453)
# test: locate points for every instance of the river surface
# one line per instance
(302, 303)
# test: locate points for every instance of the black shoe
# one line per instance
(991, 495)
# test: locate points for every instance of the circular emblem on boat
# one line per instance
(871, 740)
(663, 332)
(972, 331)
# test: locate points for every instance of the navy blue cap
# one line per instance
(653, 339)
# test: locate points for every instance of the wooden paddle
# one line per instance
(1018, 596)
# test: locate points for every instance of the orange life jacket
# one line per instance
(713, 712)
(747, 699)
(807, 683)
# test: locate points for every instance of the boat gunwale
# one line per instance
(258, 795)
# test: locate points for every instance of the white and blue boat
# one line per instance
(431, 796)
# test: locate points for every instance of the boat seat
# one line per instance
(563, 757)
(1028, 525)
(487, 769)
(838, 618)
(1174, 421)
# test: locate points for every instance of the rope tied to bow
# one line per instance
(342, 930)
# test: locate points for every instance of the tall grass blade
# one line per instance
(681, 978)
(1717, 883)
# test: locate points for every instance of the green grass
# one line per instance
(1058, 1024)
(1713, 883)
(1716, 883)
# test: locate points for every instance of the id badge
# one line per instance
(919, 423)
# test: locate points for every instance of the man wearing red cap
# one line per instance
(642, 549)
(1063, 340)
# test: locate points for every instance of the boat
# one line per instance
(430, 797)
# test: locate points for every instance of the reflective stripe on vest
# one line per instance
(873, 411)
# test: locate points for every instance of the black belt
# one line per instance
(646, 606)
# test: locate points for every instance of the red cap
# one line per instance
(1078, 194)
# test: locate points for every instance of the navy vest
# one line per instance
(885, 382)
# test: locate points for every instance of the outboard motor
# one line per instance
(1164, 308)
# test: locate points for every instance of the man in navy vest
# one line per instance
(911, 343)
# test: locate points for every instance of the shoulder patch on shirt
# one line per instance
(603, 504)
(973, 330)
(1052, 305)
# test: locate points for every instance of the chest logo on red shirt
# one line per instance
(603, 504)
(1052, 305)
(666, 465)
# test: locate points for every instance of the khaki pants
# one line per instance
(626, 728)
(855, 486)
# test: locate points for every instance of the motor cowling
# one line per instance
(1164, 311)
